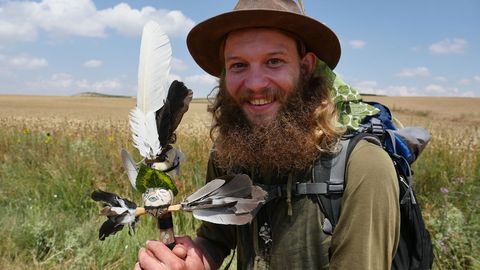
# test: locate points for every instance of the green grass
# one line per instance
(448, 182)
(48, 220)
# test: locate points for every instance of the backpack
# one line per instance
(403, 145)
(415, 250)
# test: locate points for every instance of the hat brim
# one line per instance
(204, 40)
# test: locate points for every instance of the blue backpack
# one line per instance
(403, 145)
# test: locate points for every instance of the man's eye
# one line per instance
(274, 62)
(236, 66)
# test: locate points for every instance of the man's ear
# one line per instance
(308, 62)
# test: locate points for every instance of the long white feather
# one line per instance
(130, 167)
(153, 71)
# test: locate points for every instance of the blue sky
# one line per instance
(407, 48)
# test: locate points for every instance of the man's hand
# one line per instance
(185, 255)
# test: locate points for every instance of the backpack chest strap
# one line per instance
(301, 189)
(317, 188)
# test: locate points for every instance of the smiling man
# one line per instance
(273, 117)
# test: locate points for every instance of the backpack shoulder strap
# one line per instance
(330, 170)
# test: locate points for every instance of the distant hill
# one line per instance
(370, 95)
(95, 94)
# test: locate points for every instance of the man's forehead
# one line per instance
(252, 33)
(280, 41)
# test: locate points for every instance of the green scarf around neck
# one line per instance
(350, 109)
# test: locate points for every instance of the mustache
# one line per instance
(268, 93)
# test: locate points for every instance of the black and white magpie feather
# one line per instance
(119, 212)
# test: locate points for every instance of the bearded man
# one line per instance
(273, 117)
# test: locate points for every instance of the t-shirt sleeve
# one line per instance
(367, 233)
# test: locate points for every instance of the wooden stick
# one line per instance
(140, 211)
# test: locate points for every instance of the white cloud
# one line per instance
(201, 84)
(358, 44)
(395, 90)
(470, 81)
(21, 20)
(93, 63)
(24, 62)
(67, 84)
(465, 82)
(369, 87)
(172, 77)
(414, 72)
(440, 79)
(435, 89)
(58, 81)
(449, 46)
(178, 64)
(13, 31)
(105, 86)
(468, 94)
(130, 21)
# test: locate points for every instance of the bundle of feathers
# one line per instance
(230, 201)
(153, 122)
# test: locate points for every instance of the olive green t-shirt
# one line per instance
(366, 236)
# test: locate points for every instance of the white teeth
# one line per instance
(260, 101)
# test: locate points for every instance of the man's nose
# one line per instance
(256, 79)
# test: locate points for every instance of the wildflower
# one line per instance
(48, 139)
(444, 190)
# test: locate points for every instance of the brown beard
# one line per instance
(287, 143)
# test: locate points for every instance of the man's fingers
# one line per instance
(180, 251)
(137, 266)
(146, 261)
(184, 241)
(165, 255)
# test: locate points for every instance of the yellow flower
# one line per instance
(48, 138)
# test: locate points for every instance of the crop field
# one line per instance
(54, 151)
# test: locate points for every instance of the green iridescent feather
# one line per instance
(150, 178)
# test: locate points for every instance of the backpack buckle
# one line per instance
(327, 188)
(334, 188)
(376, 127)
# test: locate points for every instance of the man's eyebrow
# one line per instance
(273, 53)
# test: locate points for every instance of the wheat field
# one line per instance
(101, 108)
(54, 151)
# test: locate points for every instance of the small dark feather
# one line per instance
(111, 199)
(169, 116)
(108, 227)
(107, 197)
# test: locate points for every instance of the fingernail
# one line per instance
(148, 241)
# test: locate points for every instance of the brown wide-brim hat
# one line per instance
(205, 39)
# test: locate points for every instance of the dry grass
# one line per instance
(93, 111)
(79, 108)
(433, 113)
(102, 108)
(422, 110)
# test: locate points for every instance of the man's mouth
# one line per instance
(260, 101)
